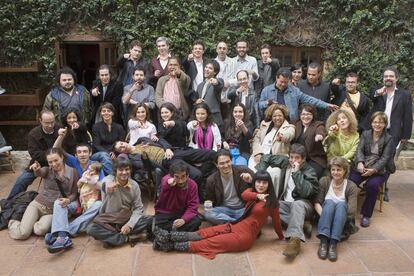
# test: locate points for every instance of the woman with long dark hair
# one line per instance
(77, 132)
(204, 133)
(240, 236)
(239, 131)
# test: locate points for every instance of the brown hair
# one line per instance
(381, 115)
(135, 109)
(340, 162)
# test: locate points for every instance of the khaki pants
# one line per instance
(37, 218)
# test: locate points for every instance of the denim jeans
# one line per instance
(221, 215)
(60, 220)
(332, 220)
(105, 159)
(22, 182)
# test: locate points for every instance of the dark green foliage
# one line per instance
(359, 35)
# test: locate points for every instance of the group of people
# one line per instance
(245, 137)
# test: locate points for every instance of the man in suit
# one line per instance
(194, 65)
(349, 98)
(106, 90)
(397, 104)
(209, 91)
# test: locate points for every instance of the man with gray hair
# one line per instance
(159, 63)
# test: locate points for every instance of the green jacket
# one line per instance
(52, 103)
(306, 181)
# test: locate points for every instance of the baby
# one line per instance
(86, 185)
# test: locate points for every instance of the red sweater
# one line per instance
(178, 200)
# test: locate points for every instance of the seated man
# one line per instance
(300, 187)
(122, 200)
(176, 209)
(224, 189)
(40, 139)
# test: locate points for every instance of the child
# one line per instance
(86, 186)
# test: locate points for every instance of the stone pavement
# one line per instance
(385, 248)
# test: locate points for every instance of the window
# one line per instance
(290, 55)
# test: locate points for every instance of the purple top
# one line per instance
(178, 200)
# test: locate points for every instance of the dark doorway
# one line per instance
(84, 60)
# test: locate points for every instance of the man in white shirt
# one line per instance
(194, 65)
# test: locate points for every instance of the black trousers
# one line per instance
(165, 221)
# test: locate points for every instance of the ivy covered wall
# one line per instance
(359, 35)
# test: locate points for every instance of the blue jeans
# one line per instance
(332, 220)
(221, 215)
(60, 220)
(22, 182)
(105, 159)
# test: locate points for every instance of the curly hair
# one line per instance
(333, 118)
(272, 108)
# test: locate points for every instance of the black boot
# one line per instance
(323, 249)
(161, 235)
(163, 246)
(184, 236)
(182, 246)
(332, 254)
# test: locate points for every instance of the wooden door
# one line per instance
(107, 54)
(60, 52)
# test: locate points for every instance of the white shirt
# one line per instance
(199, 77)
(388, 107)
(290, 187)
(268, 141)
(248, 63)
(332, 196)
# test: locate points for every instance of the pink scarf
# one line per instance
(204, 142)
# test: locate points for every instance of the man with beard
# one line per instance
(137, 92)
(397, 104)
(66, 95)
(246, 62)
(107, 90)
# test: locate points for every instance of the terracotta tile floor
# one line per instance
(385, 248)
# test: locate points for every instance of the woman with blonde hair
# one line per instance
(343, 137)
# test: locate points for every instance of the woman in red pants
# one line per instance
(240, 236)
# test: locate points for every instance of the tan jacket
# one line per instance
(278, 147)
(183, 85)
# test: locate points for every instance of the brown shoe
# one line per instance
(293, 248)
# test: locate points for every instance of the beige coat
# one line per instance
(183, 85)
(278, 147)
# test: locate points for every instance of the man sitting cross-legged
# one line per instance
(121, 218)
(176, 209)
